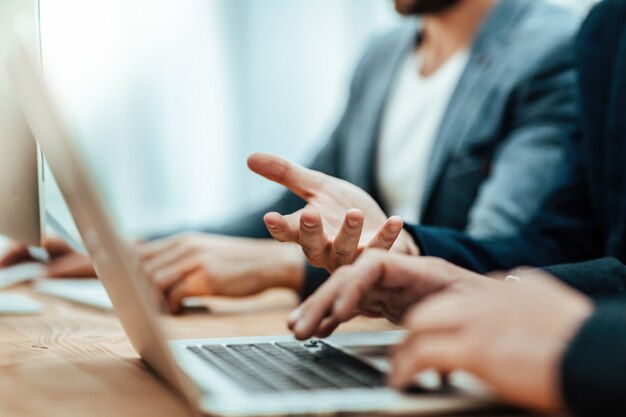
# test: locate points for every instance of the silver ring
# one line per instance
(512, 278)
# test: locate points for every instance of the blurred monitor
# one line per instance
(21, 167)
(25, 180)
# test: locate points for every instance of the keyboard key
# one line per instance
(247, 379)
(333, 362)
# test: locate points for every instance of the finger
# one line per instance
(16, 254)
(344, 248)
(312, 238)
(151, 249)
(300, 180)
(20, 253)
(304, 320)
(356, 281)
(444, 352)
(293, 318)
(57, 247)
(199, 283)
(168, 276)
(383, 303)
(163, 259)
(72, 265)
(282, 228)
(175, 297)
(326, 327)
(388, 233)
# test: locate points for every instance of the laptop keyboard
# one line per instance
(289, 366)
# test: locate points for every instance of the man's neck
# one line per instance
(446, 33)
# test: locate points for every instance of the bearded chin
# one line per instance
(421, 7)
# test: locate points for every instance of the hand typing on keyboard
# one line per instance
(379, 284)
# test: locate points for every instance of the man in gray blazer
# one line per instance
(457, 118)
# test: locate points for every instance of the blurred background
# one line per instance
(168, 98)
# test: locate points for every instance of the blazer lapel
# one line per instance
(361, 169)
(472, 91)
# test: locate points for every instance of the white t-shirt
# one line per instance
(412, 118)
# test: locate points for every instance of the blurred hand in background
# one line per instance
(195, 264)
(64, 262)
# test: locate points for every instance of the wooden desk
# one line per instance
(76, 361)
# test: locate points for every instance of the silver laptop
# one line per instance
(230, 377)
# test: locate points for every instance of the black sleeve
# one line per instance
(598, 278)
(593, 369)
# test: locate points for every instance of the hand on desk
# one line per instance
(339, 221)
(192, 264)
(64, 262)
(196, 264)
(511, 335)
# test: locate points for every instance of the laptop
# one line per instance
(245, 376)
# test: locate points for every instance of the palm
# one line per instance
(339, 220)
(334, 197)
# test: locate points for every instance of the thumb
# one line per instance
(300, 180)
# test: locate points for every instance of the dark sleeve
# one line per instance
(598, 278)
(593, 369)
(561, 232)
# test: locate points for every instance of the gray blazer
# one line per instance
(501, 140)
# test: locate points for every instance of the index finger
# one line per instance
(300, 180)
(305, 320)
(337, 299)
